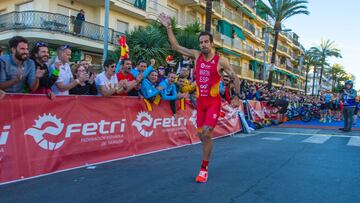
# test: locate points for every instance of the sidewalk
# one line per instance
(316, 124)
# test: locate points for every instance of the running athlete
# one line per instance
(209, 67)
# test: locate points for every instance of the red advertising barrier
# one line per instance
(39, 136)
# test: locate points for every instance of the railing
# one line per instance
(227, 40)
(249, 27)
(237, 44)
(236, 68)
(259, 55)
(237, 18)
(216, 34)
(52, 22)
(227, 13)
(249, 50)
(216, 6)
(141, 4)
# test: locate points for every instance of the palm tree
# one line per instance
(208, 14)
(324, 51)
(279, 11)
(338, 75)
(152, 42)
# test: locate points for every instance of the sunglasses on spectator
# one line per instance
(41, 44)
(112, 66)
(63, 47)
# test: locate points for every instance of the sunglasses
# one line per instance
(63, 47)
(41, 44)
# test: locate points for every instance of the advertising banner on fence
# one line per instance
(39, 136)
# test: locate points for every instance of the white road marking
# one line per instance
(354, 141)
(311, 134)
(272, 138)
(317, 139)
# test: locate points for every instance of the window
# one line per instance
(67, 11)
(26, 6)
(122, 26)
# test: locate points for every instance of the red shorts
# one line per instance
(208, 111)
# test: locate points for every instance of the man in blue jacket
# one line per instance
(348, 96)
(169, 92)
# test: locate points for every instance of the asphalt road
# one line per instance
(273, 165)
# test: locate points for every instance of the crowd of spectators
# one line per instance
(24, 71)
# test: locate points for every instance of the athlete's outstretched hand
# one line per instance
(164, 19)
(235, 102)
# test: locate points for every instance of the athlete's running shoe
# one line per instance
(202, 177)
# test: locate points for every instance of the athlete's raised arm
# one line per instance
(165, 20)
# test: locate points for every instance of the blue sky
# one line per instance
(335, 20)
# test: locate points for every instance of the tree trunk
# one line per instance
(314, 75)
(208, 15)
(321, 73)
(273, 57)
(306, 78)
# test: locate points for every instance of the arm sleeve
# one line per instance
(173, 95)
(148, 91)
(118, 68)
(147, 71)
(352, 94)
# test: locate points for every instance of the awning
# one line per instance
(262, 15)
(239, 32)
(225, 28)
(228, 51)
(243, 9)
(255, 65)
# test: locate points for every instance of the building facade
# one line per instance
(237, 27)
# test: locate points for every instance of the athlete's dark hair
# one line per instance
(204, 33)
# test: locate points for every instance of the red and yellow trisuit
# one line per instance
(207, 91)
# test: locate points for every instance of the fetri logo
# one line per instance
(38, 134)
(143, 119)
(55, 127)
(139, 123)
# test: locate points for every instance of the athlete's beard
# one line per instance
(205, 51)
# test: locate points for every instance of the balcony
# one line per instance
(133, 8)
(237, 18)
(237, 68)
(51, 22)
(227, 41)
(154, 9)
(249, 50)
(249, 27)
(227, 13)
(237, 44)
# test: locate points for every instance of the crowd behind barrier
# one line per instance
(33, 72)
(159, 93)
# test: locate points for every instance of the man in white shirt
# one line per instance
(107, 82)
(65, 80)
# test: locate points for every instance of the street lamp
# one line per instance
(106, 29)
